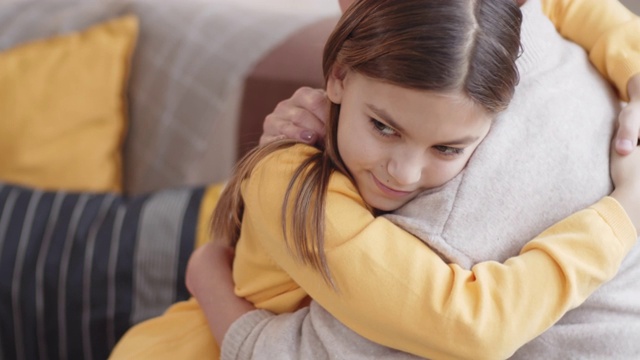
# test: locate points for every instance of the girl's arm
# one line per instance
(611, 35)
(260, 334)
(393, 290)
(607, 30)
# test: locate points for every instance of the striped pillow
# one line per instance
(78, 269)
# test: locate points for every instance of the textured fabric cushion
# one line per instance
(187, 86)
(78, 269)
(63, 110)
(187, 76)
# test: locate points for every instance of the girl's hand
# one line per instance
(301, 117)
(209, 279)
(625, 173)
(629, 120)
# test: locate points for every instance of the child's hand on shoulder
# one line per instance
(301, 117)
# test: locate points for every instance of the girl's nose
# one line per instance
(405, 169)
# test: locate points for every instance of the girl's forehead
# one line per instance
(398, 97)
(418, 113)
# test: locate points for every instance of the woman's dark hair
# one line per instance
(456, 46)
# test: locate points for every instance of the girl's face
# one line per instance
(397, 142)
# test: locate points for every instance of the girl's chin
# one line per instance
(385, 205)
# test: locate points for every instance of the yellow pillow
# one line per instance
(63, 108)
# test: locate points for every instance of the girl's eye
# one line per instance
(448, 150)
(382, 129)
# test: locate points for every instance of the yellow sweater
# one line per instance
(390, 285)
(607, 30)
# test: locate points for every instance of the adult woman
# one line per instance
(570, 348)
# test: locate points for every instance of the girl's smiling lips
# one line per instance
(389, 191)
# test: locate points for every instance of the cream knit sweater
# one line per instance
(545, 158)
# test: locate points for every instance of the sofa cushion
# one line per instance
(187, 78)
(63, 109)
(78, 269)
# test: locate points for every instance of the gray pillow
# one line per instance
(78, 269)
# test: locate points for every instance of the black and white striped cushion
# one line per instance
(78, 269)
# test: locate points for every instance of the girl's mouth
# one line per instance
(389, 191)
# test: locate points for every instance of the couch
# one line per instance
(100, 210)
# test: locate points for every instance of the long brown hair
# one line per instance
(467, 46)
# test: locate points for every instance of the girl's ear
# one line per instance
(335, 84)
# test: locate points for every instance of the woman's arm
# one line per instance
(309, 333)
(209, 279)
(395, 291)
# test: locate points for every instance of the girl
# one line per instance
(406, 117)
(414, 130)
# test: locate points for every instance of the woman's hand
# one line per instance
(629, 120)
(209, 279)
(301, 117)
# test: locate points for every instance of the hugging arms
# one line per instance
(433, 320)
(622, 118)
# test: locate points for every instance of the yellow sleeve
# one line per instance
(394, 290)
(607, 30)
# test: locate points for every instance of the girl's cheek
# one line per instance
(449, 170)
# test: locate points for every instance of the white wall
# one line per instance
(331, 6)
(293, 6)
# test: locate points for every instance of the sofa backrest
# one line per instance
(187, 77)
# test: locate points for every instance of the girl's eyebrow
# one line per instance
(383, 115)
(462, 141)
